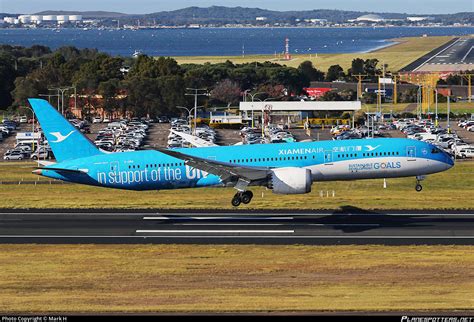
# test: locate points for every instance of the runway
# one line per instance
(458, 55)
(237, 228)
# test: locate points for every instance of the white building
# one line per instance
(417, 19)
(75, 18)
(50, 18)
(10, 20)
(261, 18)
(36, 19)
(25, 19)
(62, 19)
(370, 18)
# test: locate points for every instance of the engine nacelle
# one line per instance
(288, 181)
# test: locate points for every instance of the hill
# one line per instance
(85, 14)
(220, 15)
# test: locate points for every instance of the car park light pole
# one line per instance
(197, 92)
(32, 128)
(253, 97)
(189, 110)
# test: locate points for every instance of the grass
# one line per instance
(451, 189)
(216, 278)
(397, 56)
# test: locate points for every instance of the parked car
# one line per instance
(14, 155)
(97, 120)
(40, 154)
(466, 153)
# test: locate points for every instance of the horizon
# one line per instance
(124, 7)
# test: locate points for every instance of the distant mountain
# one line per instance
(239, 15)
(219, 15)
(85, 14)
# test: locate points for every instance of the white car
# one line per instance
(106, 120)
(96, 120)
(23, 119)
(466, 153)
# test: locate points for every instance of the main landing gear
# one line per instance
(418, 186)
(242, 197)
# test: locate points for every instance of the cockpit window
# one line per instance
(435, 150)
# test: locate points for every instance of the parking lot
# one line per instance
(153, 135)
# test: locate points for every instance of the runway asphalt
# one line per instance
(455, 56)
(237, 228)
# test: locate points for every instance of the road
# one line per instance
(457, 56)
(238, 228)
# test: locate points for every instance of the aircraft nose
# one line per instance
(449, 161)
(37, 171)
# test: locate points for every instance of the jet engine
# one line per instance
(289, 181)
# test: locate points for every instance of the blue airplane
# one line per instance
(288, 168)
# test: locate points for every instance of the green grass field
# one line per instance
(453, 189)
(216, 278)
(397, 56)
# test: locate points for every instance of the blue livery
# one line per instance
(288, 168)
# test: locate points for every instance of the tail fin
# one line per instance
(66, 141)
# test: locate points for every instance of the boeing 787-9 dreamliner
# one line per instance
(288, 168)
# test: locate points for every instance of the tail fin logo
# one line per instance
(60, 137)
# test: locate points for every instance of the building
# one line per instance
(11, 20)
(25, 19)
(75, 18)
(37, 19)
(62, 19)
(50, 18)
(261, 18)
(369, 18)
(418, 19)
(282, 112)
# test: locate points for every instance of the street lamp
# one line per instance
(196, 94)
(32, 127)
(189, 110)
(62, 90)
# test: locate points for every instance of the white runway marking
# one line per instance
(224, 236)
(467, 54)
(217, 218)
(217, 231)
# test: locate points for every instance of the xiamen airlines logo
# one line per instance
(371, 148)
(60, 137)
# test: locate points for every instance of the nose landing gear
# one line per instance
(242, 197)
(418, 186)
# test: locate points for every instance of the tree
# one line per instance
(357, 67)
(335, 72)
(312, 74)
(109, 90)
(227, 91)
(24, 89)
(7, 78)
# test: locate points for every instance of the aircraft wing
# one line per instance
(194, 140)
(225, 170)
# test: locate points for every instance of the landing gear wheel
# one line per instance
(236, 200)
(247, 197)
(418, 187)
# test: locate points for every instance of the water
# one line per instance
(223, 41)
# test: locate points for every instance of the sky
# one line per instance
(148, 6)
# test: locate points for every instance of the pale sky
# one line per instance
(148, 6)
